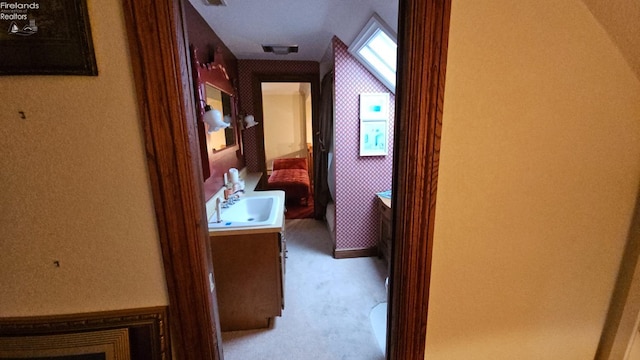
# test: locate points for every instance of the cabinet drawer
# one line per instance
(385, 212)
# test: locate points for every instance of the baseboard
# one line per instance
(353, 253)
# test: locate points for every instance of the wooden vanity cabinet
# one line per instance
(385, 231)
(249, 276)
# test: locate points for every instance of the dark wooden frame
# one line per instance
(147, 327)
(71, 54)
(258, 110)
(423, 39)
(164, 87)
(215, 74)
(161, 69)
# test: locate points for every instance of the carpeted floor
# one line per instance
(327, 305)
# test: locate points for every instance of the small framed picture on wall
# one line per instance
(374, 106)
(46, 37)
(373, 138)
(374, 117)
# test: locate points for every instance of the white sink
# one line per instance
(248, 212)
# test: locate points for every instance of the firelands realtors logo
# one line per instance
(18, 13)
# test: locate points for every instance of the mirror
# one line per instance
(220, 101)
(213, 87)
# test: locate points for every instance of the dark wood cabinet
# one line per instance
(249, 275)
(385, 230)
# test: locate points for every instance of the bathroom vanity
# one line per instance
(249, 263)
(385, 231)
(249, 273)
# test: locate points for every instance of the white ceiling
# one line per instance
(244, 25)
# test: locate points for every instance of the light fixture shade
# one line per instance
(250, 121)
(213, 118)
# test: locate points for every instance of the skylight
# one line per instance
(375, 47)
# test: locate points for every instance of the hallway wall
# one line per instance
(74, 187)
(538, 179)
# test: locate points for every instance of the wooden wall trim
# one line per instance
(159, 52)
(423, 39)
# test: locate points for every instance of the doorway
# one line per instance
(161, 72)
(287, 112)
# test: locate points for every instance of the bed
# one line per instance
(292, 176)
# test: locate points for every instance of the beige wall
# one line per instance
(74, 187)
(284, 126)
(539, 174)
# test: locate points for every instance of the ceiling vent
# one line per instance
(280, 49)
(216, 2)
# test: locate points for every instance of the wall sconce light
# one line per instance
(213, 118)
(249, 121)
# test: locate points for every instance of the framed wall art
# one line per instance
(132, 334)
(374, 106)
(373, 138)
(374, 116)
(97, 345)
(46, 37)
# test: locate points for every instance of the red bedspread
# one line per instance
(294, 180)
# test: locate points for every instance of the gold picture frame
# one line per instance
(146, 331)
(105, 344)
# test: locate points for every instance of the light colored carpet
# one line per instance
(327, 305)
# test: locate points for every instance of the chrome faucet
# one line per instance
(233, 198)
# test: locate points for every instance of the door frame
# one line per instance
(258, 110)
(159, 53)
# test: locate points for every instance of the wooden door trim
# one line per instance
(422, 42)
(163, 86)
(162, 73)
(257, 79)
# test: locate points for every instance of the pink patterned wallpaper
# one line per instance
(246, 71)
(358, 179)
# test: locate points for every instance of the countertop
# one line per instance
(251, 180)
(385, 200)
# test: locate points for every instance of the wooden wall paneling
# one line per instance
(423, 40)
(165, 94)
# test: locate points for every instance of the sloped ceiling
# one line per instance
(244, 25)
(621, 20)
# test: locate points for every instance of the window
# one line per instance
(375, 47)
